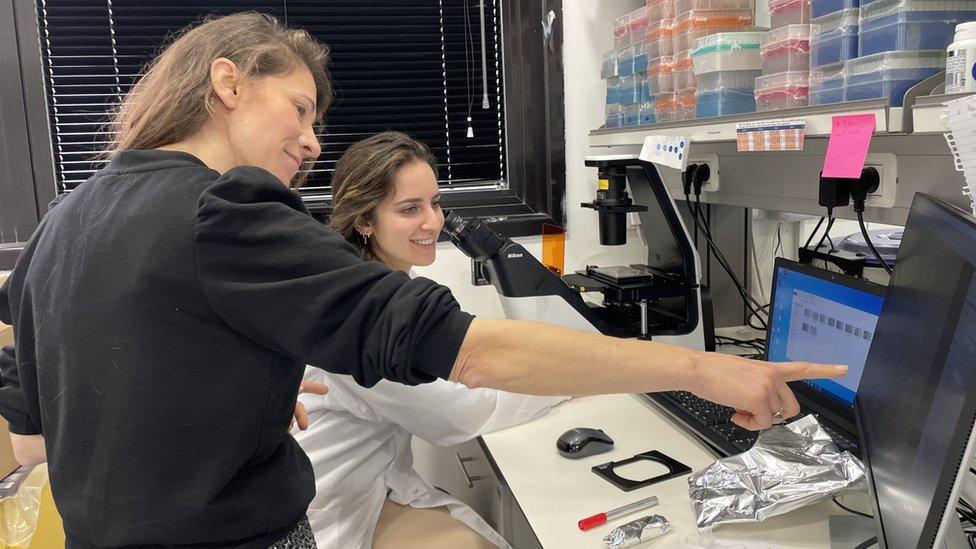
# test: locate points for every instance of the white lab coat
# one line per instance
(359, 443)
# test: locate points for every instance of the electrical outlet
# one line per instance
(887, 166)
(714, 176)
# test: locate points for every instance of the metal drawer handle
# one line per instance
(468, 479)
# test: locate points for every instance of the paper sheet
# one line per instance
(961, 137)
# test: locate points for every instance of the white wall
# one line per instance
(587, 33)
(586, 28)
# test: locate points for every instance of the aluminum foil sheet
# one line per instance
(637, 531)
(789, 467)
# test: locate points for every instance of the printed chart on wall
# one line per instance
(785, 134)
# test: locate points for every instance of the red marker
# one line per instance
(602, 518)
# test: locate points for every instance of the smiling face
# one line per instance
(405, 225)
(271, 124)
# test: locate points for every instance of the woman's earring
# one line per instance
(365, 239)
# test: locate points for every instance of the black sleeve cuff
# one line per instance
(439, 349)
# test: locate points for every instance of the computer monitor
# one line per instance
(825, 317)
(917, 400)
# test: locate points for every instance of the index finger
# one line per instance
(794, 371)
(313, 387)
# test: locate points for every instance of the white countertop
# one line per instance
(555, 492)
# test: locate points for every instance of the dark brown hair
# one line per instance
(365, 176)
(175, 98)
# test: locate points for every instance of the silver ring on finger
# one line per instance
(778, 416)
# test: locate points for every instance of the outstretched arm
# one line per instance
(535, 358)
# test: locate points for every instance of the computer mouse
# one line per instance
(582, 442)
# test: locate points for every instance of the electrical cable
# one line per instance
(749, 301)
(867, 239)
(815, 229)
(728, 269)
(851, 511)
(830, 225)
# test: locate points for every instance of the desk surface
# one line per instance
(554, 492)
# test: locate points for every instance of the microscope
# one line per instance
(660, 300)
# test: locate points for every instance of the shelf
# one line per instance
(723, 128)
(928, 112)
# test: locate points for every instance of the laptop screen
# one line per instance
(825, 317)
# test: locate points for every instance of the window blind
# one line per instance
(408, 65)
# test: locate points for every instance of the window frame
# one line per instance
(533, 194)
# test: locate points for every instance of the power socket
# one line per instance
(714, 175)
(887, 166)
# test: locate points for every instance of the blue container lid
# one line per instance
(886, 241)
(883, 64)
(929, 10)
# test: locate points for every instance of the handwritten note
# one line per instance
(850, 137)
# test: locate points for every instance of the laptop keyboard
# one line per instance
(713, 422)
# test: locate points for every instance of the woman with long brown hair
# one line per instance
(386, 203)
(164, 311)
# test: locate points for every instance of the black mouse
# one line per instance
(582, 442)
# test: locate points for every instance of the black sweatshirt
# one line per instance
(162, 317)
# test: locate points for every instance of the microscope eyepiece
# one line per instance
(473, 237)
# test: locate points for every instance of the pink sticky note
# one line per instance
(850, 137)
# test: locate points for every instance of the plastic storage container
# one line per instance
(645, 92)
(613, 116)
(659, 76)
(625, 61)
(833, 38)
(827, 84)
(684, 6)
(724, 102)
(621, 31)
(638, 24)
(660, 41)
(786, 49)
(788, 12)
(727, 51)
(728, 80)
(686, 102)
(630, 89)
(665, 108)
(640, 57)
(696, 24)
(785, 90)
(684, 72)
(893, 25)
(819, 8)
(613, 90)
(890, 74)
(608, 68)
(659, 9)
(645, 113)
(631, 114)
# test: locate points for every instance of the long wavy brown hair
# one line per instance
(175, 98)
(365, 175)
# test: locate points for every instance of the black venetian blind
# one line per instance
(407, 65)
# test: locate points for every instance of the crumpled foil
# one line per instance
(637, 531)
(789, 467)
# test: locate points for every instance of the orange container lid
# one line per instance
(666, 101)
(660, 65)
(686, 98)
(682, 62)
(712, 18)
(660, 29)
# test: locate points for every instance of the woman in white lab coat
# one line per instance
(386, 203)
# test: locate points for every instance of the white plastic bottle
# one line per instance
(961, 60)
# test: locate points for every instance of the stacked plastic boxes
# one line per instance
(785, 52)
(901, 43)
(726, 66)
(833, 38)
(694, 20)
(900, 25)
(625, 70)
